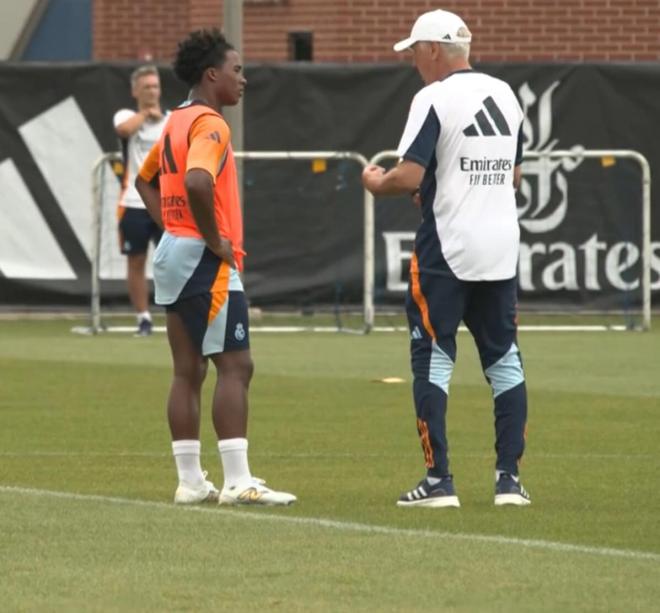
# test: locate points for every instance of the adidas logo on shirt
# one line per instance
(498, 127)
(415, 335)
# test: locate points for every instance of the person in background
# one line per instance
(139, 131)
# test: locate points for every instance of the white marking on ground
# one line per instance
(328, 329)
(345, 526)
(320, 455)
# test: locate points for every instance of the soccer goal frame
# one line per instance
(535, 155)
(100, 168)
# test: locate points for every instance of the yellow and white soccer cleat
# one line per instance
(254, 492)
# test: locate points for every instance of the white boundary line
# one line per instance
(345, 526)
(316, 455)
(328, 329)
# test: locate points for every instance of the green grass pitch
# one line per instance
(86, 481)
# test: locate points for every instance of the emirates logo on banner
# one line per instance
(543, 193)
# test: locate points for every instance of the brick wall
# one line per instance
(364, 30)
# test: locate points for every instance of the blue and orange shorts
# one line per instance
(204, 291)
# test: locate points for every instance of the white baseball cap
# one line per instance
(435, 26)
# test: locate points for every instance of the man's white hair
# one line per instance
(143, 71)
(461, 50)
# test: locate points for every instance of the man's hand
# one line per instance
(417, 198)
(372, 177)
(404, 177)
(153, 114)
(225, 251)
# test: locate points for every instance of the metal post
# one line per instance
(98, 182)
(646, 240)
(646, 209)
(233, 31)
(369, 260)
(95, 305)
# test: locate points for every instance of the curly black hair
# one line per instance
(199, 51)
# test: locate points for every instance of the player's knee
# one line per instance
(237, 365)
(202, 369)
(137, 262)
(192, 370)
(247, 370)
(507, 373)
(431, 364)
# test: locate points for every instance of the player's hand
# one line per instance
(154, 114)
(416, 198)
(225, 251)
(372, 176)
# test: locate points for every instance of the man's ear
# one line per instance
(212, 73)
(436, 49)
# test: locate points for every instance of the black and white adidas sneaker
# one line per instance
(509, 491)
(441, 494)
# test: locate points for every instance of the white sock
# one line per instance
(144, 315)
(186, 455)
(233, 454)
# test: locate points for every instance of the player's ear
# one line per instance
(212, 73)
(436, 50)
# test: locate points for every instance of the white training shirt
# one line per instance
(466, 131)
(135, 149)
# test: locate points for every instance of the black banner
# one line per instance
(580, 218)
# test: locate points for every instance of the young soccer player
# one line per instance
(190, 187)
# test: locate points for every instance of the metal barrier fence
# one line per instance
(100, 168)
(98, 177)
(585, 153)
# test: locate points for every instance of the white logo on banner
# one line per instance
(28, 249)
(534, 212)
(64, 149)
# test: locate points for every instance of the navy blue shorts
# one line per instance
(216, 323)
(136, 229)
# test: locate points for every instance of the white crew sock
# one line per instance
(144, 315)
(233, 454)
(186, 455)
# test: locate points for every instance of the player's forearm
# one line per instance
(397, 182)
(402, 179)
(151, 198)
(131, 125)
(200, 197)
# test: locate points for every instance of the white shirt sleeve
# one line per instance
(121, 116)
(420, 136)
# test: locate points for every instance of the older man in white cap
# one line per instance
(461, 152)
